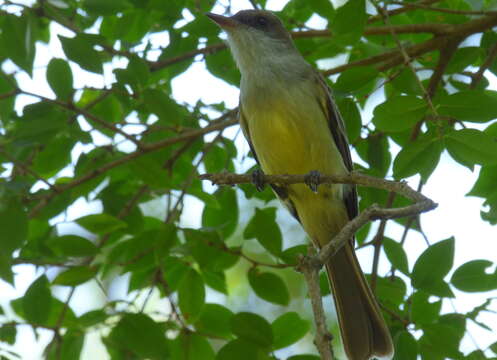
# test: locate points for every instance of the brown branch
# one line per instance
(443, 10)
(446, 54)
(80, 111)
(400, 10)
(421, 202)
(9, 94)
(394, 57)
(310, 269)
(476, 78)
(310, 265)
(27, 169)
(146, 148)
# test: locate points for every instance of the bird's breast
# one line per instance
(290, 132)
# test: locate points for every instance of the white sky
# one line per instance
(456, 215)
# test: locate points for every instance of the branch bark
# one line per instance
(311, 264)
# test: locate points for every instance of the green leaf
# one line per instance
(241, 349)
(140, 335)
(462, 58)
(348, 24)
(17, 40)
(8, 333)
(355, 78)
(432, 266)
(269, 286)
(493, 347)
(351, 116)
(224, 218)
(471, 146)
(253, 328)
(37, 301)
(485, 185)
(215, 320)
(304, 357)
(396, 255)
(288, 329)
(419, 157)
(92, 318)
(191, 295)
(399, 113)
(472, 105)
(75, 276)
(264, 228)
(440, 340)
(191, 346)
(101, 223)
(209, 251)
(422, 310)
(13, 225)
(161, 104)
(472, 277)
(406, 347)
(107, 7)
(73, 245)
(390, 290)
(70, 346)
(54, 157)
(81, 51)
(292, 254)
(59, 77)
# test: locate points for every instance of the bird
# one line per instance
(290, 120)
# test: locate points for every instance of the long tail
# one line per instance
(364, 332)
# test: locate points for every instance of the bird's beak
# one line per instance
(224, 22)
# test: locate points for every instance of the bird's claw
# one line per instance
(258, 179)
(313, 179)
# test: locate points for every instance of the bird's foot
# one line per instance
(313, 179)
(258, 179)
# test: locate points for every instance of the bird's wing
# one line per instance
(280, 191)
(337, 128)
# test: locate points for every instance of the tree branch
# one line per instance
(421, 202)
(311, 264)
(476, 78)
(310, 269)
(145, 149)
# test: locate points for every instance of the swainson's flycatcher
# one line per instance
(293, 127)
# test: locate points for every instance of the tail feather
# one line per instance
(364, 332)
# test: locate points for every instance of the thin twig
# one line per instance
(146, 148)
(443, 10)
(476, 78)
(421, 203)
(323, 338)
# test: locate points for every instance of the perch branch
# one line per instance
(311, 264)
(310, 269)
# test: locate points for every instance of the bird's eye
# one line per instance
(262, 21)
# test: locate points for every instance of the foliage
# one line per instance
(127, 143)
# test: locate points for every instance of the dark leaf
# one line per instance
(75, 276)
(288, 329)
(396, 255)
(59, 77)
(37, 301)
(432, 266)
(264, 228)
(473, 277)
(253, 328)
(269, 286)
(191, 295)
(140, 335)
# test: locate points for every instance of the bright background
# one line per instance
(456, 215)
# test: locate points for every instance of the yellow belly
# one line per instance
(295, 138)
